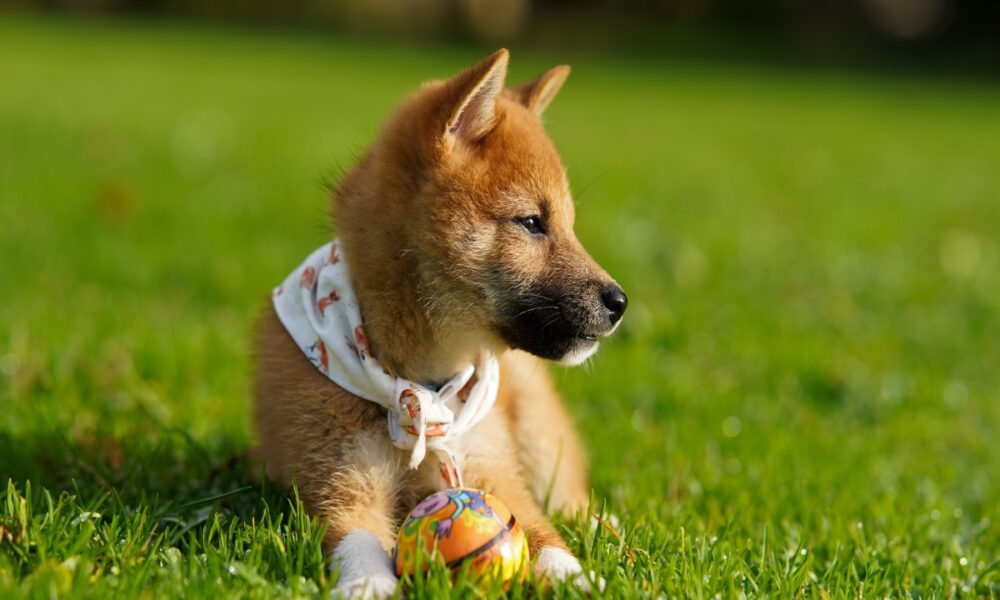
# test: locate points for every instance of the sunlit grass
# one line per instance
(802, 399)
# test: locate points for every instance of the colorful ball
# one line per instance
(460, 526)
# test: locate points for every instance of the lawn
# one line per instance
(802, 400)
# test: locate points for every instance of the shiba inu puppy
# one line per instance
(404, 356)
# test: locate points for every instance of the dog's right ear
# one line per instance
(471, 99)
(537, 94)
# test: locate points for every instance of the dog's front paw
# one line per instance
(373, 587)
(558, 565)
(365, 570)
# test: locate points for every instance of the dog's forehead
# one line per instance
(523, 158)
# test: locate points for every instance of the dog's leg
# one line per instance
(358, 504)
(352, 487)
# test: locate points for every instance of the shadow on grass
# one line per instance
(180, 484)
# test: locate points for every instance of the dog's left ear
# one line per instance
(537, 94)
(472, 99)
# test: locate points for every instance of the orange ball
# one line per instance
(459, 525)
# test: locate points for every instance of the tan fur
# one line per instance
(424, 219)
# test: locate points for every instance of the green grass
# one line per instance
(802, 400)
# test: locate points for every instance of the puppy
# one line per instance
(403, 357)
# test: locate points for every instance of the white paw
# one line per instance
(365, 569)
(377, 587)
(558, 565)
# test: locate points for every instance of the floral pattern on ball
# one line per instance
(461, 525)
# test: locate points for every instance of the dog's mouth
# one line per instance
(553, 332)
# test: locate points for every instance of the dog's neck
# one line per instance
(402, 333)
(409, 334)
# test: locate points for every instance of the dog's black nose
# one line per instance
(615, 301)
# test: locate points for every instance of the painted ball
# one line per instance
(461, 526)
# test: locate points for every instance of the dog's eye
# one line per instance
(532, 224)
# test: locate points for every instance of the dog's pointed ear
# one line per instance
(538, 93)
(472, 111)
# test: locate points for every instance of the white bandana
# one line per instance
(317, 306)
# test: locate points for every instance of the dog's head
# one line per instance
(481, 206)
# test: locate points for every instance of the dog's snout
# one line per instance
(615, 300)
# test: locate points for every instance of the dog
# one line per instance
(456, 253)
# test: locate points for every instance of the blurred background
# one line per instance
(965, 31)
(800, 198)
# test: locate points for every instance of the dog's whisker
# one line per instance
(528, 310)
(550, 322)
(540, 296)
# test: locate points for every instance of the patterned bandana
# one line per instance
(317, 306)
